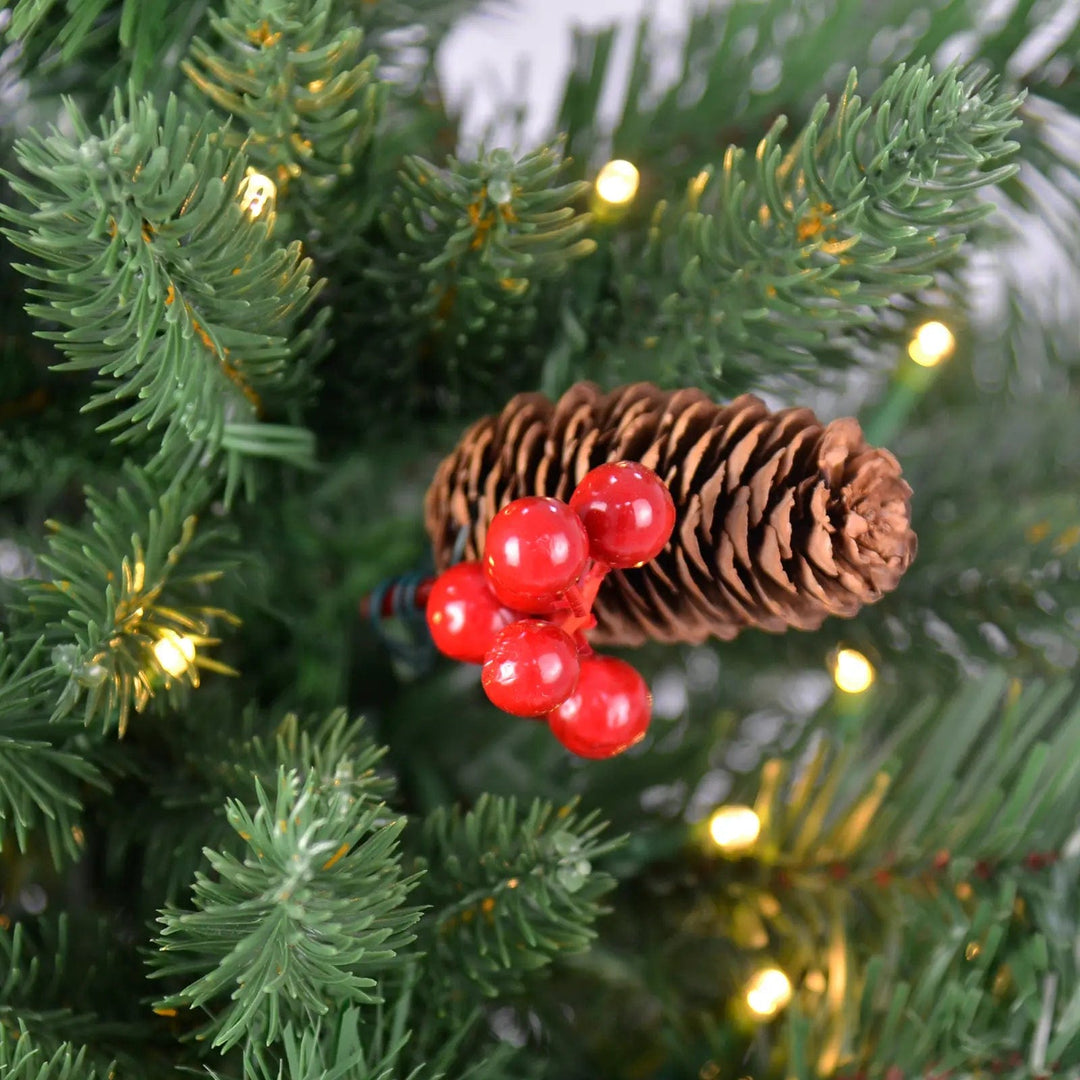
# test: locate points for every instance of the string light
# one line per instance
(768, 991)
(257, 193)
(617, 182)
(852, 672)
(174, 653)
(734, 829)
(932, 343)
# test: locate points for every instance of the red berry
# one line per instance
(536, 548)
(520, 602)
(607, 713)
(531, 668)
(463, 614)
(628, 513)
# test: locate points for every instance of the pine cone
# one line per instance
(781, 520)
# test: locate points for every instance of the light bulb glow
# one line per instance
(174, 653)
(257, 193)
(768, 991)
(932, 343)
(734, 829)
(852, 672)
(617, 182)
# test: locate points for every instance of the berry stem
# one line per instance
(586, 591)
(583, 647)
(575, 597)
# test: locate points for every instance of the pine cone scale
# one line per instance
(780, 520)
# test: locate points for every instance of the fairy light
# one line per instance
(734, 829)
(932, 343)
(617, 182)
(768, 991)
(852, 672)
(174, 653)
(257, 193)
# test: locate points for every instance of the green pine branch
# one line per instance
(31, 987)
(42, 780)
(308, 98)
(970, 980)
(211, 761)
(67, 981)
(893, 883)
(465, 266)
(997, 585)
(134, 577)
(984, 773)
(331, 1049)
(761, 266)
(508, 892)
(724, 54)
(429, 20)
(310, 920)
(162, 283)
(21, 1058)
(55, 35)
(352, 1046)
(996, 991)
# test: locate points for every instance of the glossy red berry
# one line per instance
(520, 602)
(464, 615)
(536, 548)
(531, 668)
(628, 513)
(607, 713)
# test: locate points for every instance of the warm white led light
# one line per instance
(932, 343)
(617, 182)
(768, 992)
(257, 193)
(734, 829)
(852, 672)
(174, 653)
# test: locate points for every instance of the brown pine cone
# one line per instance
(781, 520)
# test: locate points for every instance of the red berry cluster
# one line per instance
(523, 611)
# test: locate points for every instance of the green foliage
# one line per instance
(988, 587)
(429, 21)
(304, 94)
(460, 280)
(307, 922)
(350, 1046)
(743, 63)
(901, 850)
(508, 891)
(162, 282)
(466, 265)
(337, 750)
(982, 774)
(41, 777)
(69, 980)
(229, 758)
(758, 269)
(22, 1059)
(55, 35)
(31, 986)
(335, 1054)
(723, 49)
(134, 577)
(968, 984)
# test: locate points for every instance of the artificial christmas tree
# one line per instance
(267, 315)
